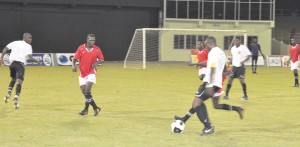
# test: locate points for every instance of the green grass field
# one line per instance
(138, 107)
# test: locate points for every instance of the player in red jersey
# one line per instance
(202, 55)
(89, 56)
(294, 60)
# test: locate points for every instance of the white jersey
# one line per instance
(239, 54)
(19, 51)
(216, 59)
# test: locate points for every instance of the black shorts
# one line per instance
(238, 72)
(254, 57)
(17, 70)
(206, 93)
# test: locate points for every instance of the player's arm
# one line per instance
(100, 59)
(74, 67)
(33, 59)
(3, 54)
(259, 49)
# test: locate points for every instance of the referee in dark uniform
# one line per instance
(255, 48)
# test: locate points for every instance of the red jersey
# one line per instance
(202, 56)
(294, 53)
(87, 58)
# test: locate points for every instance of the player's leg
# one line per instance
(192, 110)
(253, 61)
(230, 80)
(86, 108)
(244, 86)
(200, 108)
(295, 71)
(88, 95)
(217, 105)
(11, 84)
(20, 71)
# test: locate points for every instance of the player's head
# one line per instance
(27, 37)
(200, 45)
(237, 41)
(90, 40)
(292, 41)
(210, 42)
(254, 40)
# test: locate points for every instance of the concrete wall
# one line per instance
(262, 29)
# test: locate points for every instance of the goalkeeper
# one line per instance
(255, 48)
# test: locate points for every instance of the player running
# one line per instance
(294, 60)
(212, 83)
(89, 56)
(202, 55)
(20, 51)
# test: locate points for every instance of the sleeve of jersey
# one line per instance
(11, 45)
(100, 55)
(213, 61)
(247, 51)
(77, 54)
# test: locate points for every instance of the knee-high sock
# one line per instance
(296, 78)
(189, 114)
(244, 89)
(202, 115)
(228, 89)
(11, 86)
(18, 90)
(89, 99)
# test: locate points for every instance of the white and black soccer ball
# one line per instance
(177, 126)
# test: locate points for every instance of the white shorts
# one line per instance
(295, 65)
(202, 71)
(88, 78)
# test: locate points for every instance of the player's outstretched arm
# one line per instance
(33, 59)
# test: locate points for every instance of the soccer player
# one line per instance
(89, 56)
(212, 83)
(255, 48)
(202, 55)
(294, 59)
(20, 51)
(240, 54)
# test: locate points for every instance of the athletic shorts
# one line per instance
(17, 70)
(254, 57)
(295, 65)
(207, 92)
(238, 72)
(88, 78)
(202, 71)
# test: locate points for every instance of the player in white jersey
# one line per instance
(212, 82)
(240, 54)
(20, 52)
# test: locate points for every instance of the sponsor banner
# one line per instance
(46, 58)
(64, 58)
(274, 61)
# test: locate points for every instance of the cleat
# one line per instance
(244, 98)
(6, 98)
(241, 112)
(225, 97)
(84, 112)
(96, 111)
(296, 85)
(209, 131)
(179, 118)
(16, 104)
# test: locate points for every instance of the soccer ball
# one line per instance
(177, 126)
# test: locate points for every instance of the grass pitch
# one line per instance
(138, 107)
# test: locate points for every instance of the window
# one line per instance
(187, 41)
(178, 41)
(193, 9)
(182, 9)
(171, 9)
